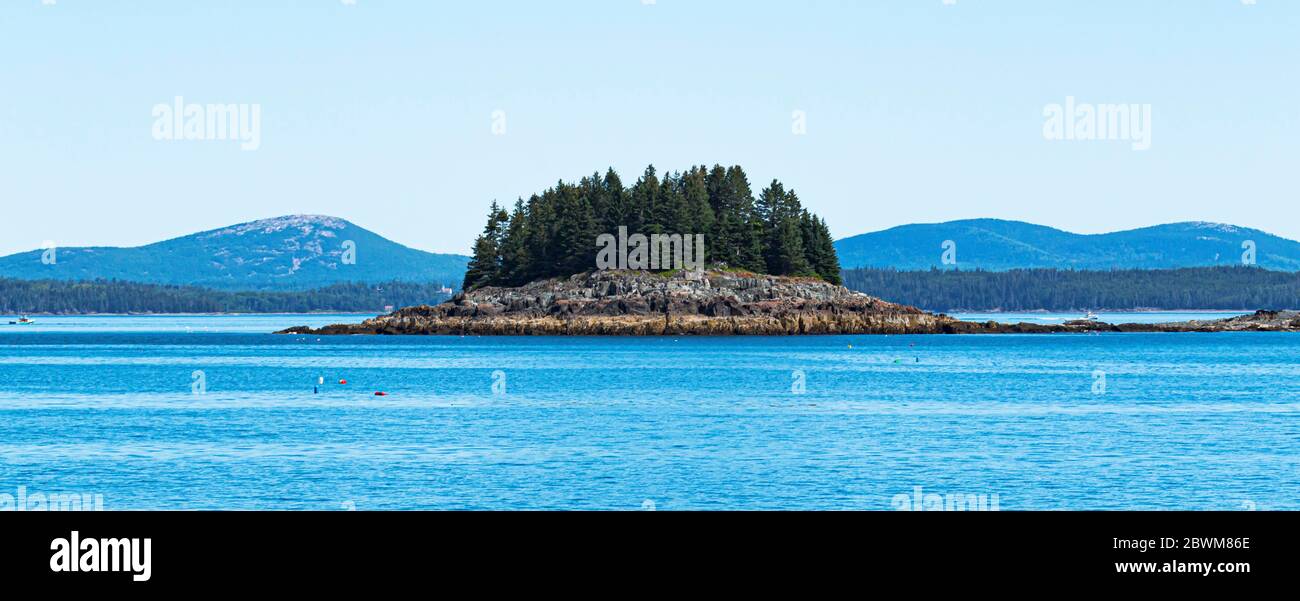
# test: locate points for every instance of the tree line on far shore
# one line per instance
(19, 297)
(554, 233)
(951, 290)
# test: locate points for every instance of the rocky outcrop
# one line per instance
(714, 303)
(624, 303)
(1259, 321)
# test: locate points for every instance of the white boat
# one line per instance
(1090, 316)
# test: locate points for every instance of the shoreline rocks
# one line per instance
(713, 303)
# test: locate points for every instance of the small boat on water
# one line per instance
(1090, 316)
(22, 321)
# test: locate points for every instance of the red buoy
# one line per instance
(381, 394)
(343, 381)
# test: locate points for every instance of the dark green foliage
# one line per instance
(515, 259)
(575, 229)
(554, 233)
(645, 204)
(485, 265)
(111, 296)
(783, 244)
(819, 247)
(1225, 288)
(699, 210)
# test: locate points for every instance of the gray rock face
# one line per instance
(641, 293)
(643, 303)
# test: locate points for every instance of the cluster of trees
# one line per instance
(112, 296)
(554, 233)
(1228, 288)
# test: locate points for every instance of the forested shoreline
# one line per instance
(554, 233)
(1211, 288)
(111, 296)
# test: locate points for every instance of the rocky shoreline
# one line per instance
(715, 303)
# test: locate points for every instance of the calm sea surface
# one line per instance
(211, 412)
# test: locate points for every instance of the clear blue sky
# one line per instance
(380, 112)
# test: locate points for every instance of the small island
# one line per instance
(769, 268)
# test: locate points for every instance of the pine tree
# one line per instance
(540, 237)
(699, 210)
(770, 203)
(485, 266)
(617, 211)
(812, 246)
(593, 189)
(644, 197)
(768, 210)
(674, 215)
(828, 263)
(790, 259)
(746, 235)
(722, 246)
(515, 260)
(575, 232)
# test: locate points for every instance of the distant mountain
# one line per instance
(999, 245)
(295, 252)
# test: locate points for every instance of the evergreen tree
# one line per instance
(617, 211)
(780, 212)
(485, 266)
(539, 237)
(789, 253)
(695, 189)
(593, 189)
(746, 234)
(723, 247)
(768, 210)
(515, 260)
(828, 261)
(575, 232)
(644, 197)
(771, 201)
(674, 215)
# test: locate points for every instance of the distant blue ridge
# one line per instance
(296, 252)
(1000, 245)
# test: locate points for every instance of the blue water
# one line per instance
(106, 406)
